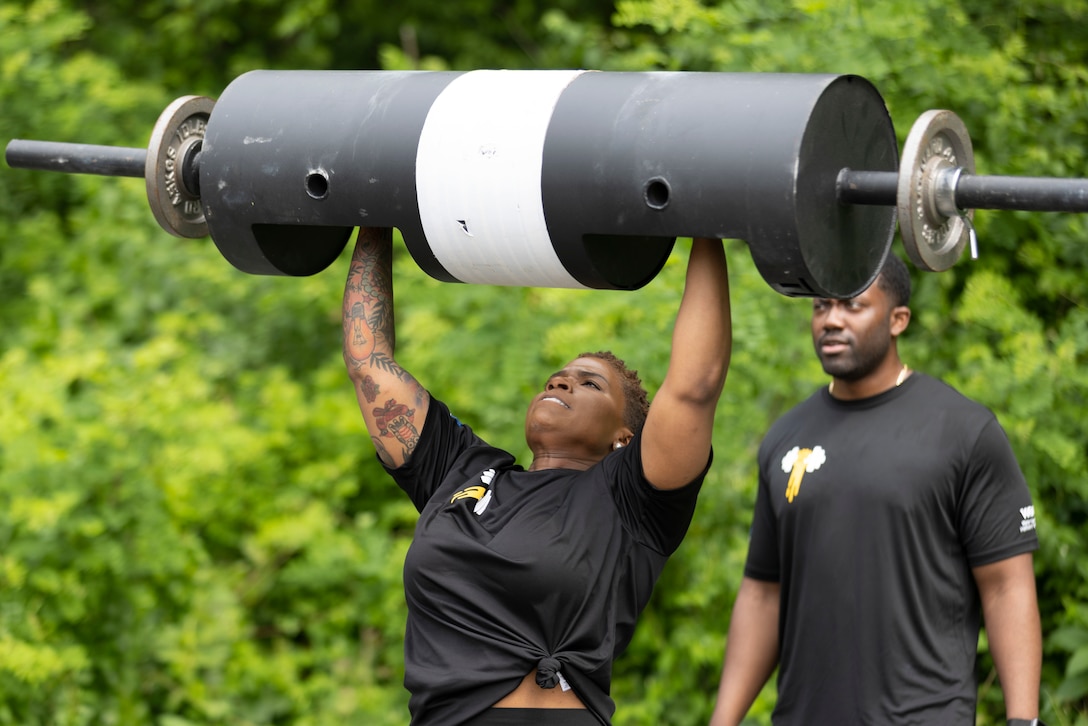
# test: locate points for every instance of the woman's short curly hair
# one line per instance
(636, 404)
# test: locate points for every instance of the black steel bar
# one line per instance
(1027, 194)
(76, 158)
(875, 188)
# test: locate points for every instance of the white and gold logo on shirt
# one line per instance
(797, 462)
(482, 495)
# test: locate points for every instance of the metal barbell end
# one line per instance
(169, 166)
(1021, 193)
(171, 170)
(938, 142)
(76, 158)
(936, 191)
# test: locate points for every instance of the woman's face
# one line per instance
(581, 406)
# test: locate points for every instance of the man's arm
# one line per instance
(393, 404)
(676, 437)
(1010, 608)
(751, 650)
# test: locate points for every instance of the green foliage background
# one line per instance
(193, 528)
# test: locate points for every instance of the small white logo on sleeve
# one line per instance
(1027, 523)
(481, 505)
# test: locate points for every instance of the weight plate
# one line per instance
(177, 135)
(937, 142)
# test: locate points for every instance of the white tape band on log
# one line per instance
(478, 178)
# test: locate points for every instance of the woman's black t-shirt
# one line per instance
(512, 571)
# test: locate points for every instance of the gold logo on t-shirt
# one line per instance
(469, 493)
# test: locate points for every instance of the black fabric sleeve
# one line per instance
(443, 439)
(763, 559)
(658, 518)
(996, 515)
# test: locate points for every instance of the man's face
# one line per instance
(853, 336)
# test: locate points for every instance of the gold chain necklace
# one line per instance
(898, 380)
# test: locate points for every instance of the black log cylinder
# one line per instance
(549, 178)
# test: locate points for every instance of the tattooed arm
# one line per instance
(393, 403)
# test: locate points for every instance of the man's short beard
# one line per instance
(846, 370)
(856, 364)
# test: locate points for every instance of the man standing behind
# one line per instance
(891, 513)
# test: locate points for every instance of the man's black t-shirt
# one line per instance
(513, 571)
(871, 514)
